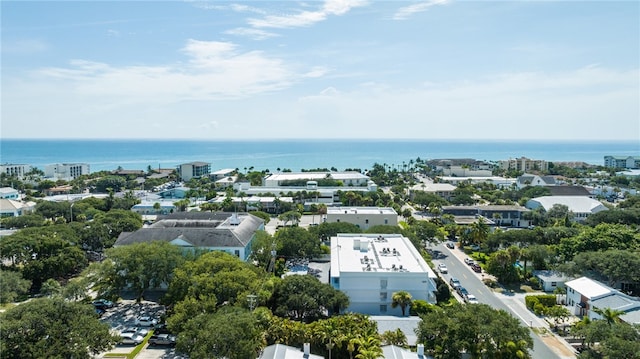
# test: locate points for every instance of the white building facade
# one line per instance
(66, 171)
(370, 268)
(622, 161)
(363, 217)
(15, 170)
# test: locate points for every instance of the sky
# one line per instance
(339, 69)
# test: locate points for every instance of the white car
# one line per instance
(131, 338)
(140, 331)
(471, 299)
(146, 322)
(443, 268)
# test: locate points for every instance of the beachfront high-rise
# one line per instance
(187, 171)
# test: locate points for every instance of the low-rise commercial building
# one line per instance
(363, 217)
(370, 268)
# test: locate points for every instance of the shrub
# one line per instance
(548, 300)
(531, 301)
(539, 309)
(490, 283)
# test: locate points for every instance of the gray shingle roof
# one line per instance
(218, 232)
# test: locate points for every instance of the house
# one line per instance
(523, 164)
(179, 192)
(228, 232)
(501, 215)
(569, 191)
(442, 190)
(407, 325)
(66, 171)
(281, 351)
(362, 217)
(581, 207)
(190, 170)
(494, 180)
(255, 203)
(550, 280)
(13, 208)
(585, 294)
(629, 162)
(226, 182)
(534, 180)
(369, 268)
(9, 193)
(58, 190)
(15, 170)
(148, 207)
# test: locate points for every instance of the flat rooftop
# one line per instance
(284, 176)
(361, 210)
(376, 253)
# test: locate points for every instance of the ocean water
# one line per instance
(295, 154)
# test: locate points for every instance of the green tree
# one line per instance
(12, 286)
(305, 298)
(609, 315)
(401, 299)
(143, 266)
(502, 265)
(394, 337)
(53, 328)
(119, 220)
(296, 242)
(478, 330)
(203, 338)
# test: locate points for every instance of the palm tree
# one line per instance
(402, 299)
(609, 315)
(369, 348)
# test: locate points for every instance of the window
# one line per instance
(383, 296)
(386, 221)
(553, 284)
(336, 280)
(383, 284)
(366, 221)
(383, 308)
(237, 253)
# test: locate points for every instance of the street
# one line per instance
(454, 259)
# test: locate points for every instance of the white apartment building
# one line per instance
(66, 171)
(369, 268)
(363, 217)
(348, 179)
(191, 170)
(524, 164)
(15, 170)
(622, 161)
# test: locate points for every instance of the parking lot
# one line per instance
(123, 315)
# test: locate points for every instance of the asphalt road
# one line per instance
(471, 281)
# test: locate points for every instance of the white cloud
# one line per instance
(307, 18)
(405, 12)
(27, 46)
(255, 34)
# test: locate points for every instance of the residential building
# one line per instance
(13, 208)
(581, 207)
(9, 193)
(348, 179)
(629, 162)
(66, 171)
(502, 215)
(569, 191)
(363, 217)
(470, 164)
(550, 280)
(255, 203)
(494, 180)
(187, 171)
(396, 352)
(523, 164)
(15, 170)
(149, 208)
(527, 180)
(222, 173)
(585, 294)
(369, 268)
(407, 325)
(442, 190)
(228, 232)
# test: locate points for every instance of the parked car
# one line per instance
(102, 303)
(162, 339)
(475, 247)
(454, 282)
(140, 331)
(99, 312)
(462, 291)
(450, 245)
(471, 299)
(443, 268)
(476, 268)
(146, 321)
(469, 261)
(131, 338)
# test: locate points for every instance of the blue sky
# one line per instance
(321, 69)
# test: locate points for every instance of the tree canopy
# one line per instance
(53, 328)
